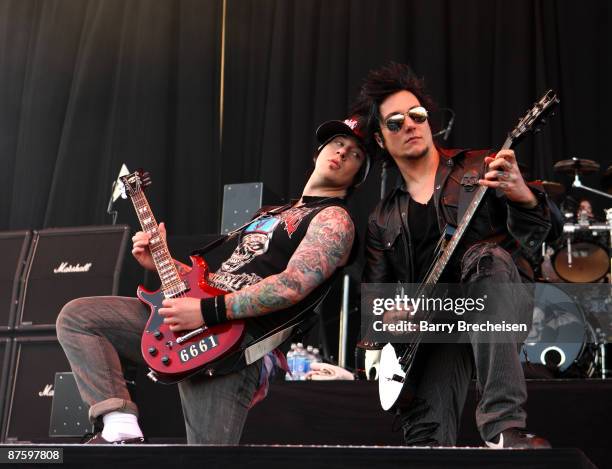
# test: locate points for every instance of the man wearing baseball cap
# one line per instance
(284, 255)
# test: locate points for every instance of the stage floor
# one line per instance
(342, 420)
(569, 413)
(311, 457)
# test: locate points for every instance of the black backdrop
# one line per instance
(88, 84)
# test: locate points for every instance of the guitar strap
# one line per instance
(226, 237)
(262, 213)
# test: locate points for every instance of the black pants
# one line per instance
(433, 416)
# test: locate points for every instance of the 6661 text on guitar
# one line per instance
(173, 356)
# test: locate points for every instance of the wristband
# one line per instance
(213, 310)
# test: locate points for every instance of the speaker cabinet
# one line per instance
(68, 263)
(241, 201)
(13, 250)
(31, 388)
(5, 359)
(69, 414)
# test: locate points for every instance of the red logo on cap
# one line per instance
(353, 124)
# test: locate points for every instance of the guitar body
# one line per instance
(172, 361)
(397, 381)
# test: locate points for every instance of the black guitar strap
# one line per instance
(226, 237)
(263, 212)
(469, 183)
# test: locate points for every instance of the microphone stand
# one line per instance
(111, 203)
(445, 132)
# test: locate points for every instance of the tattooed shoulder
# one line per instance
(325, 247)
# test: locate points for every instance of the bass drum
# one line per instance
(590, 261)
(560, 338)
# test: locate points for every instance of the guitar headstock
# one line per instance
(535, 117)
(133, 183)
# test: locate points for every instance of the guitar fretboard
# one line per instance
(172, 284)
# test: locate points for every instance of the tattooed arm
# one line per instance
(325, 247)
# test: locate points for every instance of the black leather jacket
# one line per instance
(521, 231)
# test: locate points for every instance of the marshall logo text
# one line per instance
(65, 268)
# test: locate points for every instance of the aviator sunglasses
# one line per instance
(396, 121)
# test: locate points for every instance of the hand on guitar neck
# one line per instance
(179, 314)
(504, 174)
(142, 253)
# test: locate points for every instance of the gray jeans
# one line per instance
(433, 416)
(95, 332)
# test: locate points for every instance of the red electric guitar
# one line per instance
(173, 356)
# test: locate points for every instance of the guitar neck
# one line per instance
(164, 264)
(441, 263)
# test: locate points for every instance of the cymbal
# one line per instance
(576, 165)
(554, 189)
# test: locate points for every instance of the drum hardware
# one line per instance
(579, 185)
(602, 342)
(594, 255)
(589, 252)
(578, 166)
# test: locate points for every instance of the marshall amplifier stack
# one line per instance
(68, 263)
(42, 271)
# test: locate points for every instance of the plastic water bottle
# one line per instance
(317, 355)
(290, 376)
(300, 363)
(310, 358)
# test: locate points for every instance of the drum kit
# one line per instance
(572, 326)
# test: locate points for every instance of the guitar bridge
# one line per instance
(191, 334)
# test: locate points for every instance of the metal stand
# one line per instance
(344, 312)
(577, 183)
